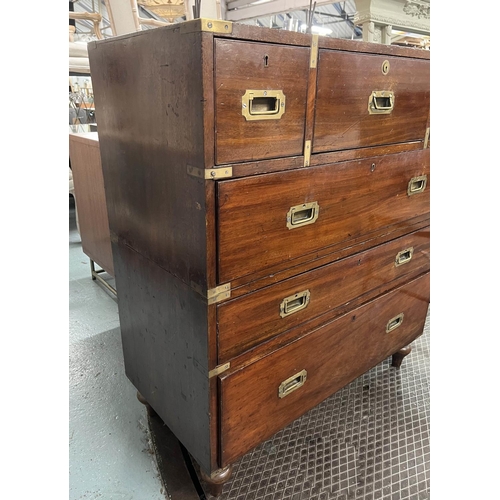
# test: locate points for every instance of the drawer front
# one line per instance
(358, 105)
(342, 201)
(260, 100)
(262, 398)
(249, 320)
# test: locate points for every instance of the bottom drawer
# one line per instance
(267, 395)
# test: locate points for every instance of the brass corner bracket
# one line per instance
(210, 173)
(219, 293)
(218, 370)
(207, 25)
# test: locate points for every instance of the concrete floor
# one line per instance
(110, 453)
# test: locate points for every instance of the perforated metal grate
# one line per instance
(368, 441)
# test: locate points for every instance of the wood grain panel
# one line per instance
(91, 199)
(242, 66)
(326, 256)
(354, 197)
(254, 318)
(333, 356)
(345, 83)
(271, 35)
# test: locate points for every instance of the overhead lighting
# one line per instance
(321, 30)
(317, 30)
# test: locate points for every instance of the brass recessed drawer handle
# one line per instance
(294, 303)
(404, 257)
(263, 104)
(381, 102)
(394, 323)
(302, 215)
(292, 384)
(417, 185)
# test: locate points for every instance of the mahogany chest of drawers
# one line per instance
(268, 199)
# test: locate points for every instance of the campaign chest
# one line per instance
(268, 201)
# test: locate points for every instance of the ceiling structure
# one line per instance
(329, 19)
(333, 19)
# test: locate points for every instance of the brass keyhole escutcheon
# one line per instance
(386, 66)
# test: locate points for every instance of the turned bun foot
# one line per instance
(144, 401)
(397, 357)
(216, 480)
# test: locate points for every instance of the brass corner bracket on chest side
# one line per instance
(207, 25)
(218, 370)
(213, 295)
(211, 173)
(219, 293)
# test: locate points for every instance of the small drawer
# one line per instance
(251, 319)
(267, 395)
(260, 100)
(369, 100)
(271, 219)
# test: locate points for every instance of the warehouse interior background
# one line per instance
(464, 340)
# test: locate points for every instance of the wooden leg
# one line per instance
(397, 357)
(143, 400)
(216, 480)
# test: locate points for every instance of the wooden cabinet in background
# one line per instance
(90, 201)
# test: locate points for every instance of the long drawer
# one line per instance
(270, 219)
(265, 396)
(260, 96)
(253, 318)
(369, 99)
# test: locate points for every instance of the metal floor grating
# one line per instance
(368, 441)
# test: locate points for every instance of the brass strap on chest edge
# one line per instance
(218, 370)
(213, 174)
(313, 60)
(207, 25)
(426, 138)
(219, 293)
